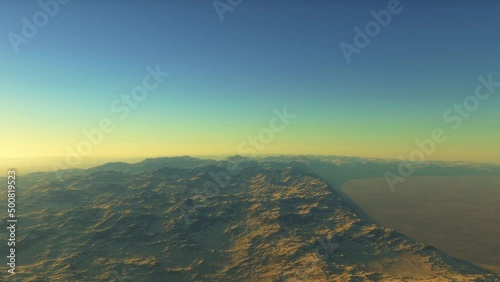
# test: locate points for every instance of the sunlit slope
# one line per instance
(272, 221)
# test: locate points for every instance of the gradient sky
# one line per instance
(226, 77)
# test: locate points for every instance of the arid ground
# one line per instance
(457, 214)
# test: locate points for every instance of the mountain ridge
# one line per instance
(272, 221)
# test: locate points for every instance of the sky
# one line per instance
(227, 78)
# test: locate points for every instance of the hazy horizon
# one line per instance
(46, 164)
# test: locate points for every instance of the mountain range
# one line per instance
(280, 218)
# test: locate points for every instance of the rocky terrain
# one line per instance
(187, 219)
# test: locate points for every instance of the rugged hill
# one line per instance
(270, 221)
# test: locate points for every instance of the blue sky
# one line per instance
(227, 76)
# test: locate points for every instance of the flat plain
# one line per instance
(457, 214)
